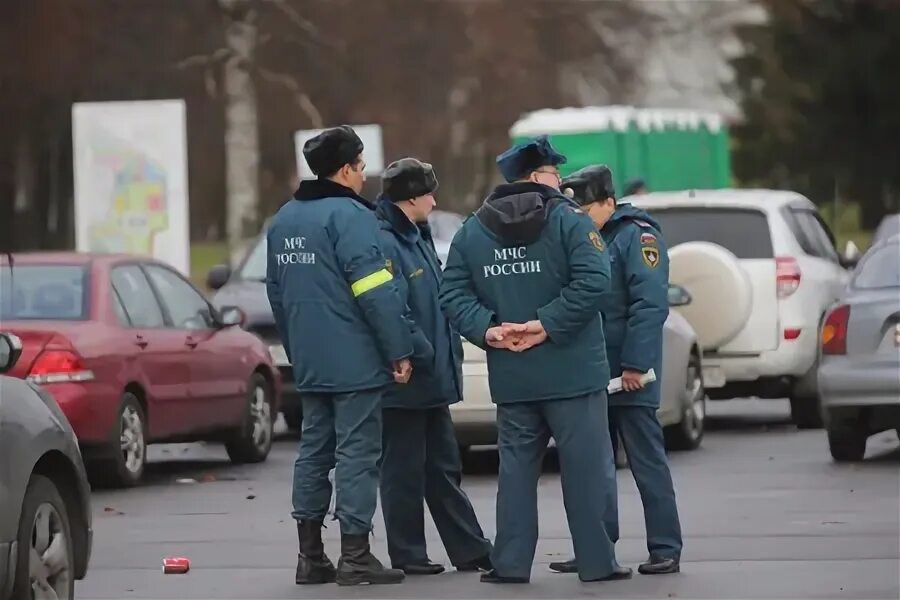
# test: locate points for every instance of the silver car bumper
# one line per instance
(844, 381)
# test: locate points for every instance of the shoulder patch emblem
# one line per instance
(647, 238)
(650, 254)
(389, 266)
(596, 241)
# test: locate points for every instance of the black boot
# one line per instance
(617, 575)
(660, 566)
(493, 576)
(358, 565)
(313, 566)
(479, 564)
(423, 568)
(569, 566)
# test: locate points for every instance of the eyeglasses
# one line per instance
(554, 173)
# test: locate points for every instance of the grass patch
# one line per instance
(204, 256)
(845, 225)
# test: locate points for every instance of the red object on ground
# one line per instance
(176, 565)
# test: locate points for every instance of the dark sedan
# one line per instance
(45, 511)
(245, 287)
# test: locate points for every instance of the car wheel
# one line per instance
(45, 565)
(253, 440)
(805, 412)
(122, 463)
(847, 442)
(687, 434)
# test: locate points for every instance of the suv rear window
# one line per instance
(43, 292)
(745, 232)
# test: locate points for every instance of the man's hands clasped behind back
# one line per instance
(516, 337)
(402, 370)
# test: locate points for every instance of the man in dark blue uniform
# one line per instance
(524, 280)
(343, 327)
(634, 312)
(421, 461)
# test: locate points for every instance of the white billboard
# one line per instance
(373, 152)
(131, 188)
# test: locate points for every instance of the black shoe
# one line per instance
(358, 565)
(493, 577)
(425, 568)
(570, 566)
(313, 566)
(660, 566)
(479, 564)
(619, 574)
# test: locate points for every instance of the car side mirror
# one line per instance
(10, 351)
(218, 276)
(678, 296)
(229, 316)
(850, 257)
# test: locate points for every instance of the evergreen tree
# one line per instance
(819, 87)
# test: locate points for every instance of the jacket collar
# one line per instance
(396, 220)
(316, 189)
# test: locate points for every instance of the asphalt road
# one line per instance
(765, 512)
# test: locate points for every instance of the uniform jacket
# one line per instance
(437, 362)
(335, 304)
(637, 305)
(529, 253)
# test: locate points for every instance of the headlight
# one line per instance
(279, 356)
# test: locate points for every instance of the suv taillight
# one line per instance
(58, 366)
(834, 331)
(787, 276)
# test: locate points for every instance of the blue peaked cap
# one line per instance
(522, 159)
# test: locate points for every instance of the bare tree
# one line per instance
(240, 68)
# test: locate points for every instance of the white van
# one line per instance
(762, 268)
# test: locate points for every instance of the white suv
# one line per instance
(762, 268)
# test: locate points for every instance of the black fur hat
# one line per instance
(332, 149)
(408, 178)
(590, 184)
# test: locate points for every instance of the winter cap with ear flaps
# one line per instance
(327, 152)
(522, 159)
(408, 178)
(590, 184)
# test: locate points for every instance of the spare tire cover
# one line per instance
(720, 289)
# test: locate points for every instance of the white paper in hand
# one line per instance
(615, 385)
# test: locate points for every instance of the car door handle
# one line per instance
(189, 341)
(140, 341)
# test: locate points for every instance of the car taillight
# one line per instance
(834, 331)
(787, 276)
(58, 366)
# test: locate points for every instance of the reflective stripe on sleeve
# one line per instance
(370, 282)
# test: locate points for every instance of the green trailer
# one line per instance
(669, 149)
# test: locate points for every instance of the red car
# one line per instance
(133, 353)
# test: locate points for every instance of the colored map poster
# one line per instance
(131, 180)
